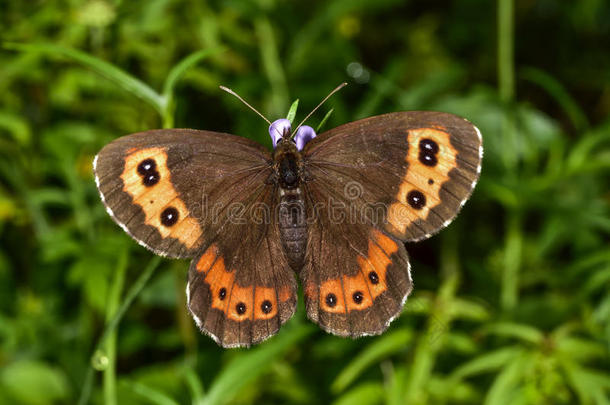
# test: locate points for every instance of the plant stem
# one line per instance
(512, 261)
(439, 320)
(506, 80)
(114, 299)
(506, 71)
(272, 65)
(131, 295)
(506, 90)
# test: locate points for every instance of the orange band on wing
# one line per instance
(353, 293)
(430, 159)
(234, 301)
(159, 200)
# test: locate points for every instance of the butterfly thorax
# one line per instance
(288, 165)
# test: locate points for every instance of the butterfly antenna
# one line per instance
(228, 90)
(339, 87)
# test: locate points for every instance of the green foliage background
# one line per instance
(511, 302)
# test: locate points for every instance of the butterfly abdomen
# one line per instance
(293, 226)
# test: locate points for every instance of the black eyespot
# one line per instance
(357, 297)
(374, 277)
(266, 306)
(169, 216)
(146, 166)
(222, 293)
(331, 300)
(240, 308)
(151, 178)
(428, 145)
(430, 181)
(416, 199)
(427, 158)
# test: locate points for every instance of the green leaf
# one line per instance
(292, 112)
(487, 362)
(194, 384)
(326, 117)
(152, 395)
(17, 126)
(167, 100)
(34, 382)
(109, 71)
(504, 388)
(559, 93)
(363, 394)
(515, 330)
(245, 368)
(379, 349)
(587, 383)
(397, 383)
(467, 309)
(185, 64)
(581, 350)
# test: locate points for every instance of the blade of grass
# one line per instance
(556, 90)
(486, 362)
(174, 75)
(326, 117)
(152, 396)
(381, 348)
(364, 394)
(438, 325)
(292, 112)
(109, 71)
(506, 79)
(133, 292)
(504, 388)
(509, 294)
(522, 332)
(114, 299)
(245, 368)
(272, 64)
(194, 385)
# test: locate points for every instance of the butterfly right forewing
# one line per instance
(418, 167)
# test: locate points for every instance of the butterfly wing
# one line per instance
(356, 278)
(379, 181)
(416, 168)
(157, 185)
(242, 289)
(187, 193)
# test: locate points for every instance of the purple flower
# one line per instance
(281, 128)
(304, 135)
(278, 129)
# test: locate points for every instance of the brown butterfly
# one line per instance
(335, 209)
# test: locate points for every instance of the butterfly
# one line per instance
(332, 210)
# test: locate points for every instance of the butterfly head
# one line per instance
(280, 131)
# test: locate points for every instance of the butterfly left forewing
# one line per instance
(157, 185)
